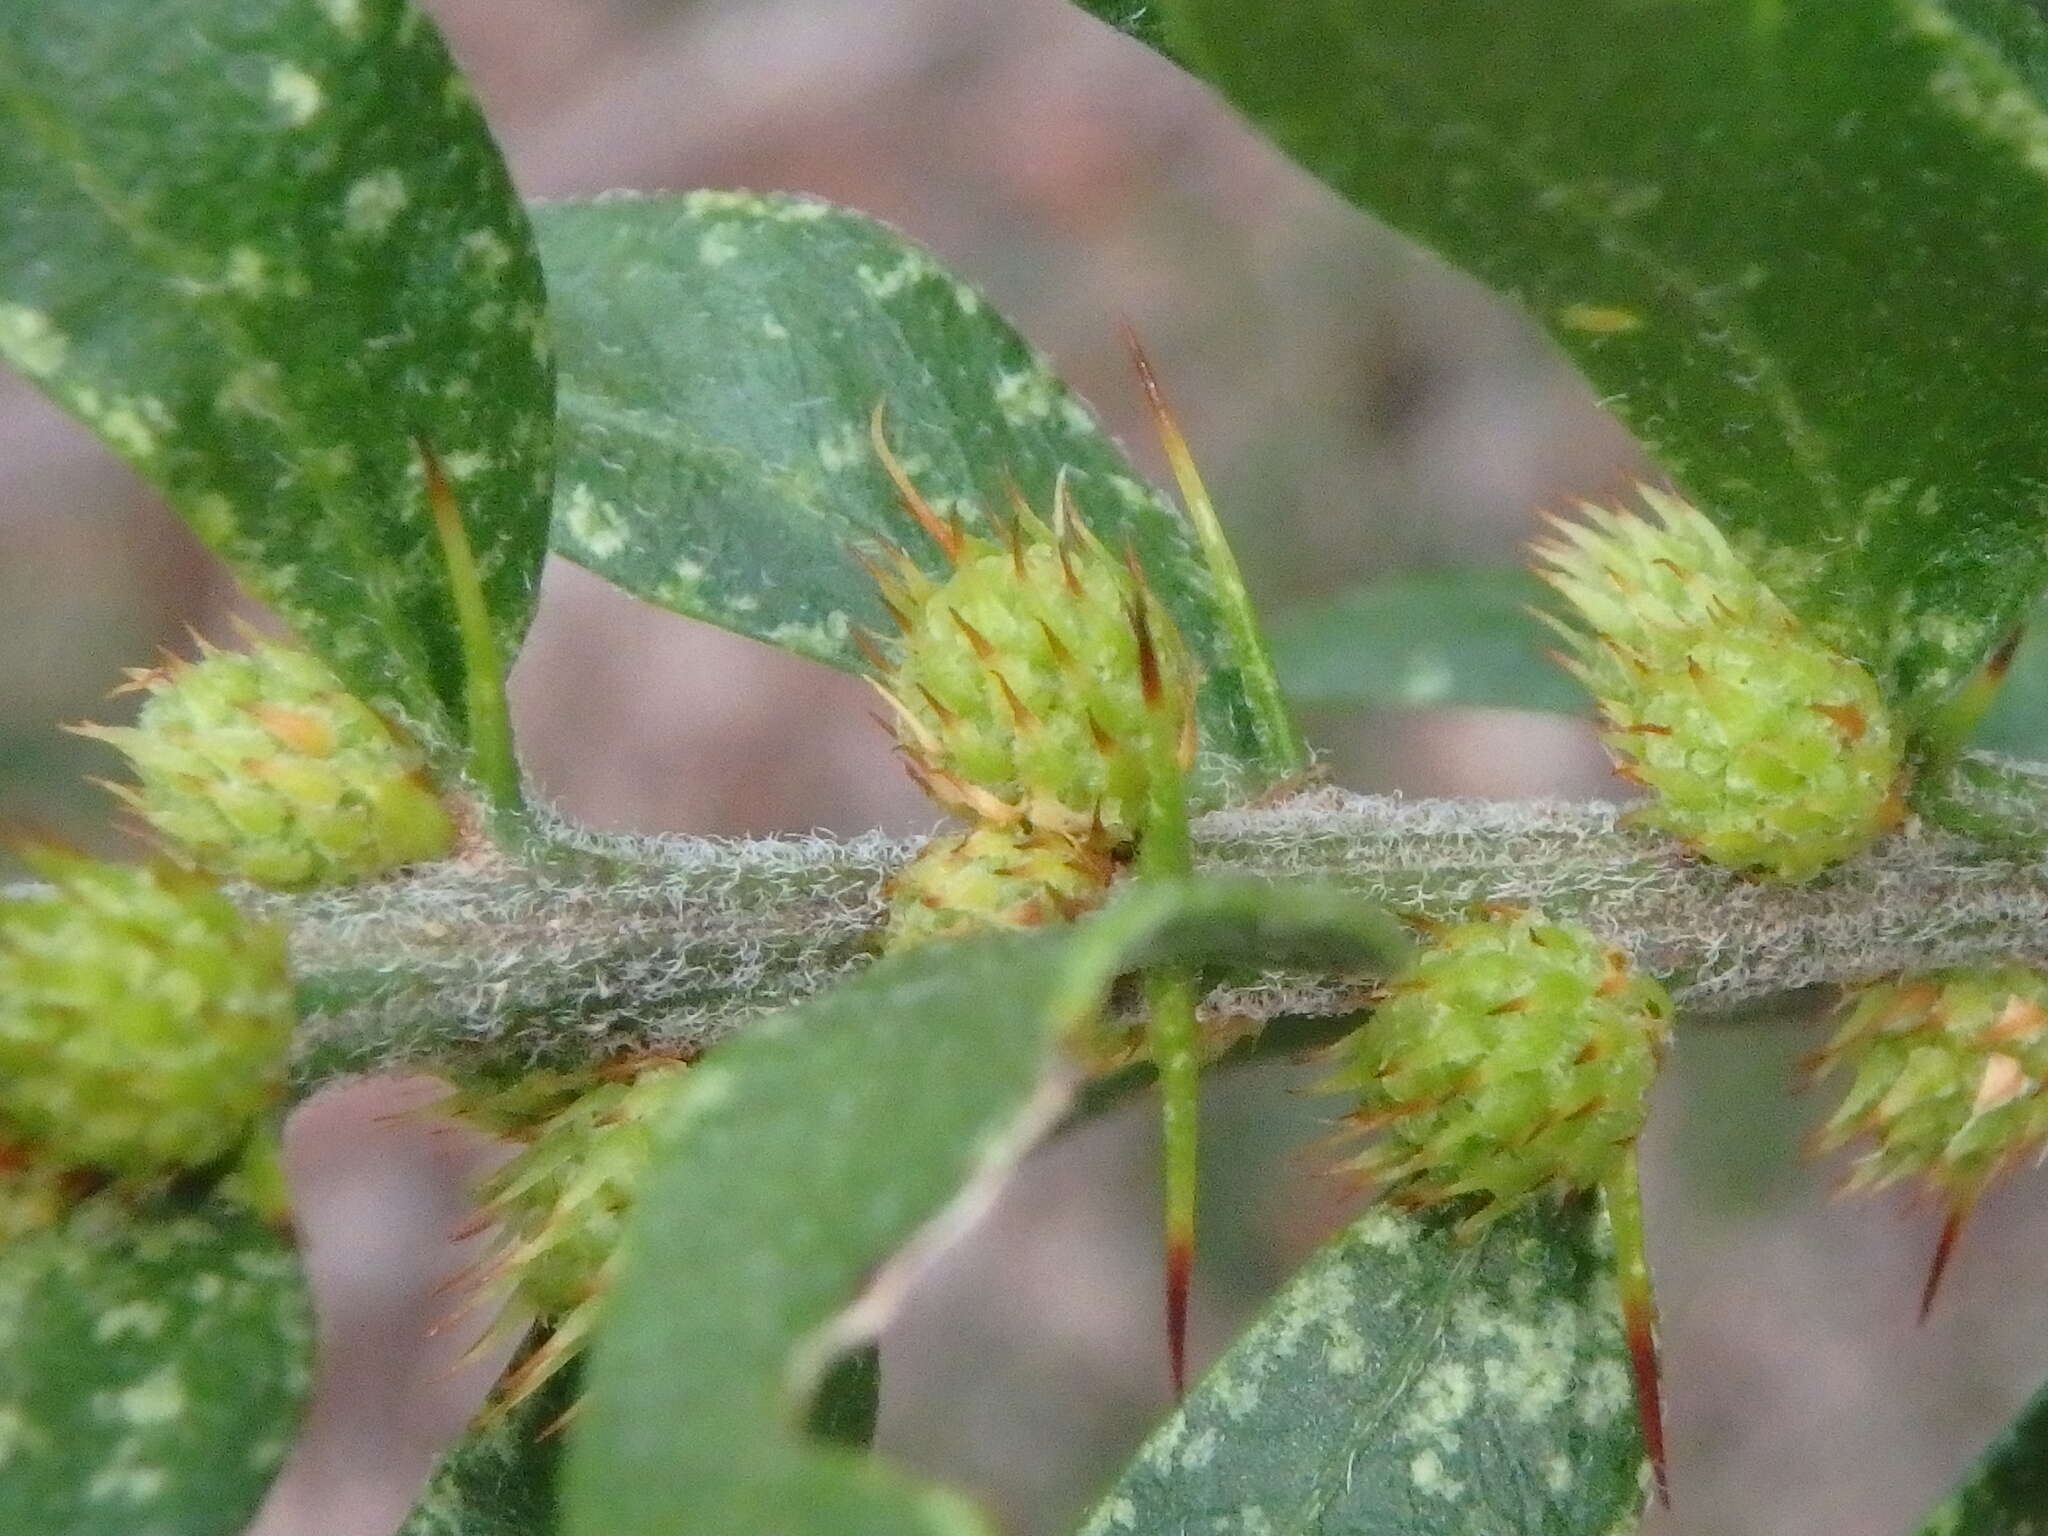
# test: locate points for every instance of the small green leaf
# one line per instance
(1405, 1384)
(721, 354)
(2006, 1492)
(499, 1479)
(1797, 247)
(260, 250)
(152, 1372)
(1435, 639)
(807, 1162)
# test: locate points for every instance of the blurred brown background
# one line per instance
(1358, 410)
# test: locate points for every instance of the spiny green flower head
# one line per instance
(258, 765)
(1515, 1054)
(1038, 682)
(562, 1204)
(1945, 1077)
(994, 878)
(144, 1020)
(1765, 749)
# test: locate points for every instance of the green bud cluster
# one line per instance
(993, 878)
(258, 765)
(1038, 682)
(1765, 750)
(144, 1021)
(1515, 1054)
(1946, 1074)
(561, 1204)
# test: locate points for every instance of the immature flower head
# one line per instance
(1038, 681)
(144, 1020)
(562, 1203)
(1515, 1054)
(1765, 749)
(1946, 1074)
(259, 765)
(993, 878)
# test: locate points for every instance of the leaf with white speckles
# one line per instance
(499, 1478)
(1406, 1384)
(1797, 247)
(2006, 1492)
(720, 356)
(804, 1160)
(152, 1371)
(259, 249)
(1427, 640)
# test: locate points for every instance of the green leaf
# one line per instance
(721, 354)
(259, 250)
(1404, 1383)
(500, 1478)
(1797, 247)
(2006, 1493)
(152, 1372)
(810, 1161)
(1430, 640)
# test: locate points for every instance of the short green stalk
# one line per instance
(491, 756)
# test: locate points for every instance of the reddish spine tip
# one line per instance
(1639, 1324)
(1944, 1250)
(1180, 1266)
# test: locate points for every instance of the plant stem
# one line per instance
(491, 756)
(608, 945)
(1623, 1189)
(1287, 754)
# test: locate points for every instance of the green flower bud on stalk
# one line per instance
(259, 765)
(1946, 1073)
(144, 1020)
(994, 878)
(1030, 684)
(1764, 749)
(561, 1204)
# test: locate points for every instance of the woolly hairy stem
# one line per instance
(612, 945)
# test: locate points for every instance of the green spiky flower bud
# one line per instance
(144, 1020)
(1765, 749)
(1038, 682)
(562, 1203)
(993, 878)
(1945, 1077)
(258, 765)
(1514, 1054)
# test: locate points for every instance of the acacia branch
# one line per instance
(610, 945)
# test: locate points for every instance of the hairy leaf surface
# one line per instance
(1433, 639)
(152, 1372)
(721, 354)
(259, 249)
(1404, 1382)
(1797, 247)
(804, 1157)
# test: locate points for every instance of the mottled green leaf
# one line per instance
(1797, 247)
(721, 354)
(1406, 1384)
(499, 1479)
(2005, 1493)
(259, 249)
(152, 1371)
(1432, 639)
(806, 1162)
(1994, 800)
